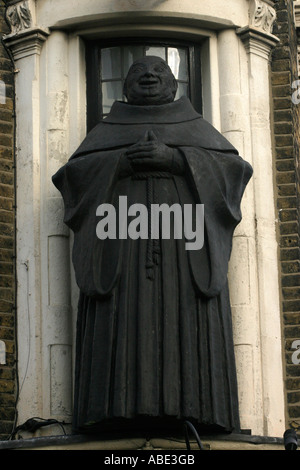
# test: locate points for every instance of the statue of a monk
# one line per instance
(154, 333)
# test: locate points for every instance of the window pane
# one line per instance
(111, 91)
(157, 51)
(182, 90)
(131, 53)
(177, 60)
(116, 60)
(111, 63)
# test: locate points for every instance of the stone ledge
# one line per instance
(83, 442)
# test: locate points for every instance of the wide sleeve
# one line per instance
(85, 183)
(218, 180)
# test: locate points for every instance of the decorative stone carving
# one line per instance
(257, 42)
(257, 36)
(19, 16)
(297, 13)
(25, 38)
(262, 15)
(26, 44)
(297, 23)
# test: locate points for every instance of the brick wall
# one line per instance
(286, 114)
(7, 295)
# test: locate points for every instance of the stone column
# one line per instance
(25, 43)
(54, 235)
(258, 42)
(235, 126)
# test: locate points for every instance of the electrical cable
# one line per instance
(189, 425)
(35, 423)
(290, 439)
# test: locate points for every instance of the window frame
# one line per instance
(93, 72)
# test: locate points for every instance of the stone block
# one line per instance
(284, 152)
(290, 254)
(285, 177)
(288, 228)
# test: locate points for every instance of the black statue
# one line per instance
(154, 333)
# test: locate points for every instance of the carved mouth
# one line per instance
(148, 82)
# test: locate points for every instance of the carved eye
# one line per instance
(160, 68)
(137, 69)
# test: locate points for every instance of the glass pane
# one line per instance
(111, 63)
(131, 53)
(182, 90)
(177, 60)
(157, 51)
(111, 91)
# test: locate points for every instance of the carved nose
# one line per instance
(149, 73)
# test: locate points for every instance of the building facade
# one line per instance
(239, 66)
(7, 239)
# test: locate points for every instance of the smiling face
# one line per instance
(150, 82)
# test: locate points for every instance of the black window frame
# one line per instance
(93, 72)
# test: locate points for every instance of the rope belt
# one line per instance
(153, 246)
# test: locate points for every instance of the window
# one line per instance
(108, 64)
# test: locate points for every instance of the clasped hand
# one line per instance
(150, 154)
